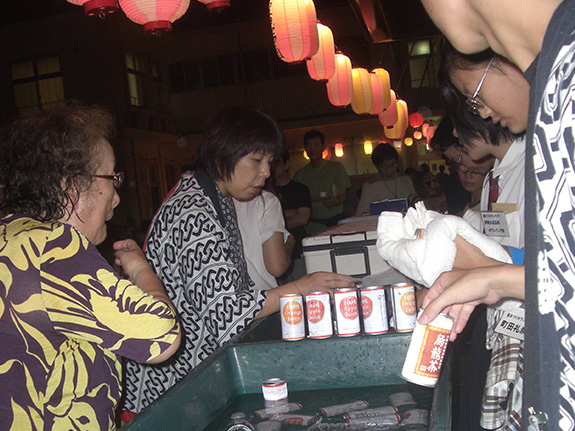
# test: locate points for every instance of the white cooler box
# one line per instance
(347, 248)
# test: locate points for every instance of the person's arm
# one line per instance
(459, 292)
(277, 254)
(130, 256)
(307, 284)
(297, 217)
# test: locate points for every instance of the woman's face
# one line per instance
(96, 205)
(504, 93)
(472, 181)
(248, 177)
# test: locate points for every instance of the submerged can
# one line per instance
(373, 310)
(275, 391)
(346, 312)
(319, 321)
(403, 305)
(293, 325)
(373, 412)
(339, 409)
(426, 351)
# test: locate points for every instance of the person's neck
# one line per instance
(282, 180)
(499, 151)
(475, 197)
(316, 163)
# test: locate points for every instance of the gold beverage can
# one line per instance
(293, 325)
(403, 306)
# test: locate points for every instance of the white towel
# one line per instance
(421, 243)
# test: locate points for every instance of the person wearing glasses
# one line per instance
(67, 318)
(539, 37)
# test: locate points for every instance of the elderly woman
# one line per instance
(66, 316)
(195, 247)
(391, 185)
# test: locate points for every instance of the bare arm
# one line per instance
(130, 256)
(277, 254)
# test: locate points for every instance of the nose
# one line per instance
(485, 112)
(266, 169)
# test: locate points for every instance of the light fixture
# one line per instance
(156, 16)
(305, 156)
(380, 90)
(321, 66)
(362, 99)
(294, 28)
(367, 147)
(340, 85)
(338, 150)
(216, 5)
(415, 120)
(101, 8)
(397, 131)
(408, 142)
(388, 117)
(417, 135)
(325, 154)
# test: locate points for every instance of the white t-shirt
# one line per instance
(258, 220)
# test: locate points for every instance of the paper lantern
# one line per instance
(321, 66)
(338, 150)
(367, 147)
(214, 5)
(430, 133)
(340, 85)
(415, 120)
(294, 28)
(305, 156)
(424, 129)
(97, 7)
(417, 135)
(388, 117)
(397, 131)
(156, 16)
(362, 100)
(380, 89)
(325, 154)
(408, 142)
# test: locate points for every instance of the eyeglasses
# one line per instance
(477, 171)
(117, 179)
(473, 104)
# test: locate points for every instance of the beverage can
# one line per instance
(373, 412)
(269, 426)
(346, 312)
(280, 408)
(415, 417)
(294, 419)
(373, 310)
(293, 325)
(426, 351)
(403, 305)
(339, 409)
(239, 423)
(319, 321)
(383, 421)
(275, 389)
(400, 399)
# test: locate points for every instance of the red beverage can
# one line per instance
(293, 325)
(373, 310)
(319, 322)
(346, 312)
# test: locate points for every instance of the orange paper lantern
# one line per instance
(362, 99)
(294, 27)
(338, 149)
(97, 7)
(156, 16)
(321, 66)
(388, 117)
(340, 85)
(380, 89)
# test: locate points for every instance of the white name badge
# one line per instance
(512, 324)
(494, 223)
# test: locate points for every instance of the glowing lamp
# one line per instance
(97, 7)
(305, 156)
(424, 129)
(156, 16)
(321, 66)
(367, 147)
(408, 142)
(294, 28)
(397, 131)
(214, 5)
(388, 117)
(340, 85)
(430, 133)
(338, 150)
(362, 100)
(417, 135)
(415, 120)
(380, 90)
(325, 154)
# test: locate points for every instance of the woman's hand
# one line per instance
(131, 258)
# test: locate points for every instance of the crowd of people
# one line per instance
(227, 241)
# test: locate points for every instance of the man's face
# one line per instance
(314, 148)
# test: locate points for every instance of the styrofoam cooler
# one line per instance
(347, 248)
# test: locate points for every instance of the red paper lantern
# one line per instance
(321, 66)
(397, 131)
(155, 15)
(97, 7)
(380, 89)
(388, 117)
(215, 4)
(294, 27)
(415, 120)
(362, 100)
(340, 85)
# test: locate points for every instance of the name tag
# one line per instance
(494, 223)
(512, 324)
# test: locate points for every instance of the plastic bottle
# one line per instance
(239, 423)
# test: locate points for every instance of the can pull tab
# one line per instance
(536, 420)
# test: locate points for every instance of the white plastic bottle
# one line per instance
(239, 423)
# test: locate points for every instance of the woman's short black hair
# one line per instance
(49, 157)
(443, 137)
(470, 127)
(384, 152)
(233, 133)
